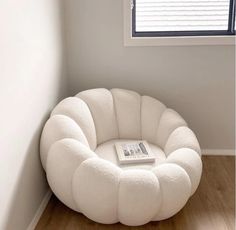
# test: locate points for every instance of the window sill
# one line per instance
(179, 41)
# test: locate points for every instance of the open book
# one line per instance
(134, 152)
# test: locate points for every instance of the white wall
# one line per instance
(31, 82)
(196, 81)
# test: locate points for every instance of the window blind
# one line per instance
(181, 15)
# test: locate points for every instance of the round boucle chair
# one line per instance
(78, 155)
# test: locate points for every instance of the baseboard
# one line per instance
(40, 210)
(218, 152)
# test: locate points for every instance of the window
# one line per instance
(164, 18)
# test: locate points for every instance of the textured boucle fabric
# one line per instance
(78, 154)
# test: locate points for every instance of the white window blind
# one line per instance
(181, 15)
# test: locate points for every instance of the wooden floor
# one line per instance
(210, 208)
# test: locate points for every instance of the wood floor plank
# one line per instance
(210, 208)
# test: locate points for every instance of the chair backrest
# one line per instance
(110, 114)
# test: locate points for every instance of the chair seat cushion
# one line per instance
(107, 151)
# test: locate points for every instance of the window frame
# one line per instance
(229, 32)
(130, 40)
